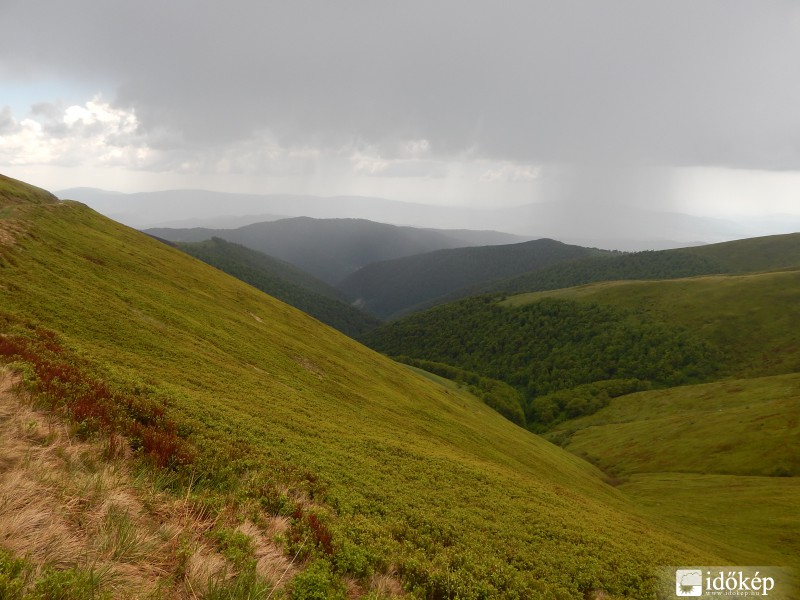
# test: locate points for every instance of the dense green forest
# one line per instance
(740, 256)
(390, 288)
(650, 264)
(283, 281)
(552, 345)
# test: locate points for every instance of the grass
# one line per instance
(76, 524)
(736, 427)
(717, 462)
(382, 477)
(758, 515)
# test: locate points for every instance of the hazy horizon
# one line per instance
(679, 107)
(604, 226)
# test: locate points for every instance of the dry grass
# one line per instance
(68, 503)
(386, 585)
(271, 563)
(9, 230)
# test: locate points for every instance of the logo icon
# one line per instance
(688, 582)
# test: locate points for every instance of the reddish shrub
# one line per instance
(90, 401)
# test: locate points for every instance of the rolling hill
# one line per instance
(390, 288)
(393, 288)
(278, 438)
(332, 249)
(742, 256)
(283, 281)
(689, 453)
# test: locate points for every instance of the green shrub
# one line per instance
(317, 582)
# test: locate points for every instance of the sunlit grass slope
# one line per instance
(720, 459)
(404, 478)
(736, 427)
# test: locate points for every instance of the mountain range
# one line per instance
(604, 225)
(331, 249)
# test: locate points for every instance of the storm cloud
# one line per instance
(675, 83)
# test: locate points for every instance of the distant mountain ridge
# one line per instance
(390, 288)
(739, 256)
(607, 225)
(332, 249)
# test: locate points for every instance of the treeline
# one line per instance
(551, 346)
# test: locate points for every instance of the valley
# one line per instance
(372, 480)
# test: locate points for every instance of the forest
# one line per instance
(547, 347)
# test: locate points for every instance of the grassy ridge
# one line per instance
(379, 471)
(285, 282)
(769, 253)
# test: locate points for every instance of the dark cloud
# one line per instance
(683, 82)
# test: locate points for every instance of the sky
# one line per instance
(686, 105)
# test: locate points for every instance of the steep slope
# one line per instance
(379, 474)
(331, 249)
(283, 281)
(390, 288)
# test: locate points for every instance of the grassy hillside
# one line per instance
(332, 249)
(257, 412)
(734, 427)
(391, 288)
(690, 453)
(283, 281)
(769, 253)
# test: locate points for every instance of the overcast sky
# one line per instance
(687, 105)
